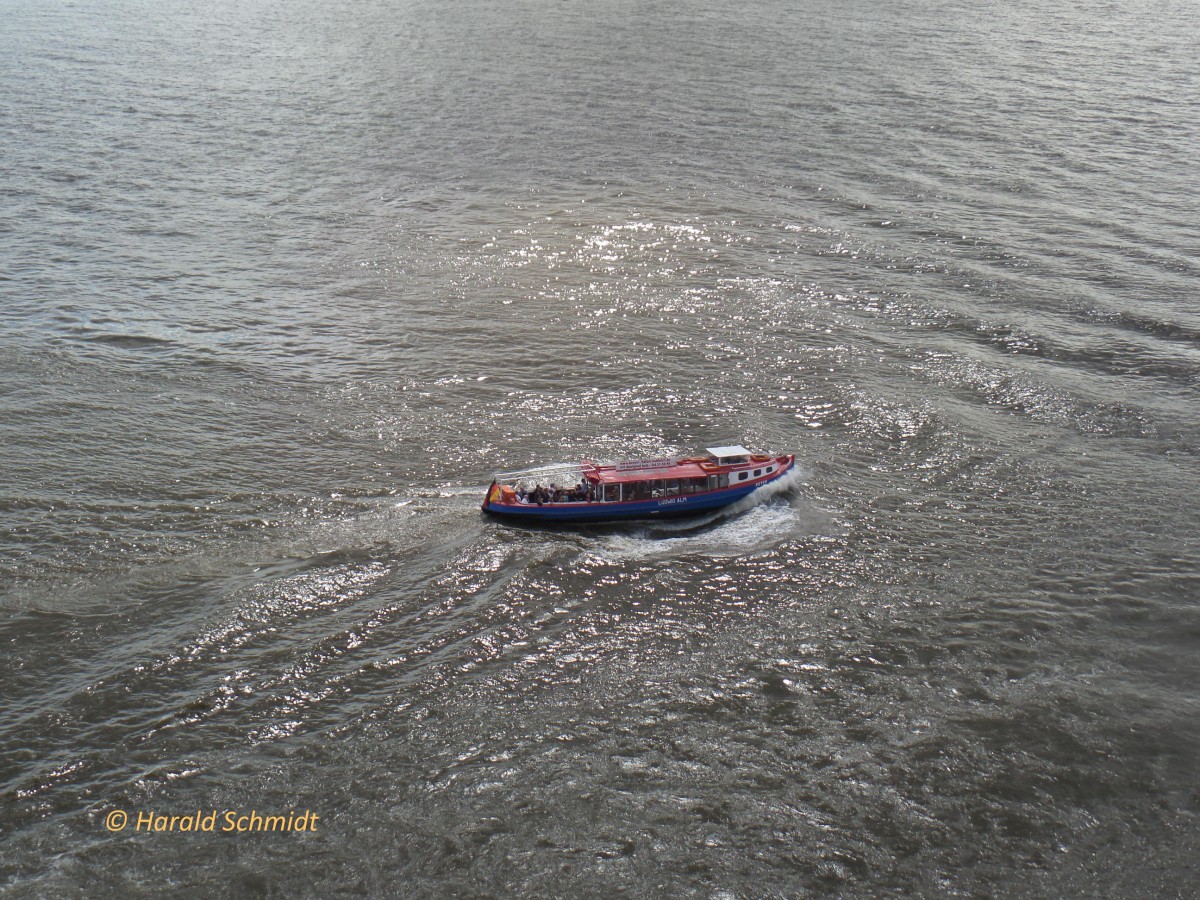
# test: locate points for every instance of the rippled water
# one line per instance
(283, 284)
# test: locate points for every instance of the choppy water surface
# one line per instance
(283, 283)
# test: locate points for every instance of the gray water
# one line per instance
(283, 284)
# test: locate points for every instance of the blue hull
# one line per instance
(660, 508)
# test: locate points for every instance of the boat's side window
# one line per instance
(742, 476)
(757, 472)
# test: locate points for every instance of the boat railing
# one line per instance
(548, 471)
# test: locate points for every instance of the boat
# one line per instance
(636, 489)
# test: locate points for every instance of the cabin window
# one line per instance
(742, 476)
(757, 472)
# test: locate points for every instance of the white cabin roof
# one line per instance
(735, 450)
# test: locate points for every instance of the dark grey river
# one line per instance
(283, 284)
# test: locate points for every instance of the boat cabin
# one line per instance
(728, 456)
(638, 479)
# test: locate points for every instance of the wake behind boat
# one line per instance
(637, 489)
